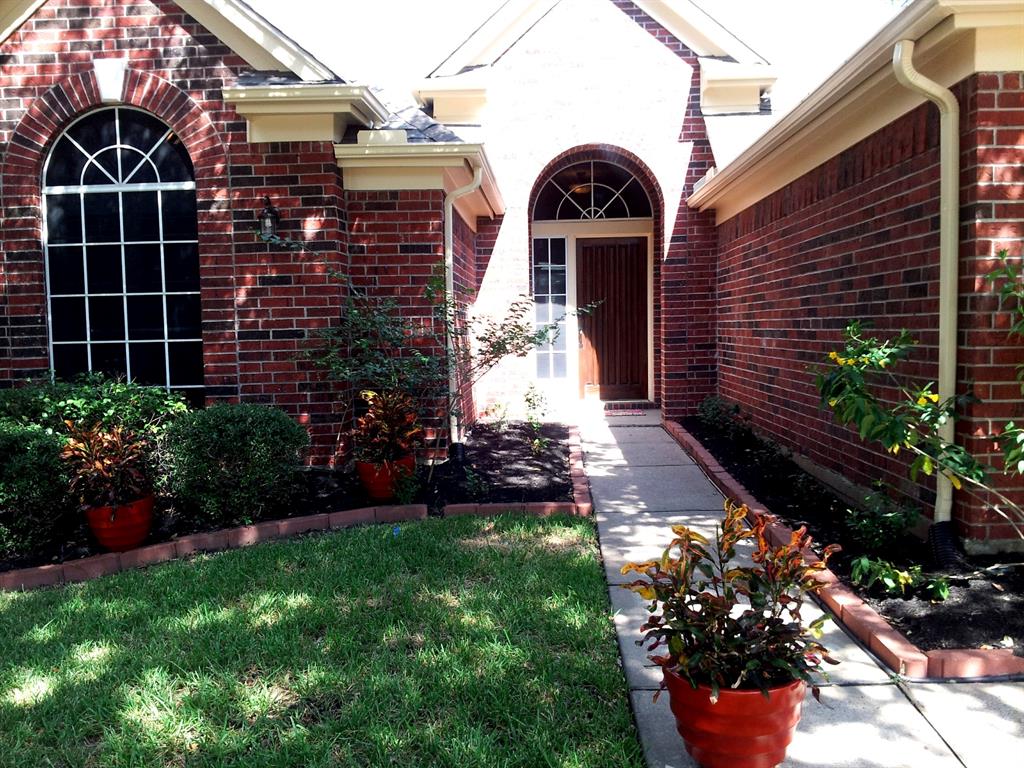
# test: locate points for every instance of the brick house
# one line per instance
(140, 138)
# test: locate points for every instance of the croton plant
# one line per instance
(724, 625)
(389, 430)
(109, 466)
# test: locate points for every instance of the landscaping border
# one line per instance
(863, 621)
(88, 568)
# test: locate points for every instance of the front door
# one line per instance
(612, 273)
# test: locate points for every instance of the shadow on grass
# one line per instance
(457, 642)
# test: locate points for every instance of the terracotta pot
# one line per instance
(379, 479)
(743, 730)
(123, 527)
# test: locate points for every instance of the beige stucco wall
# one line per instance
(585, 74)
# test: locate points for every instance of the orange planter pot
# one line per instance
(379, 479)
(743, 730)
(123, 527)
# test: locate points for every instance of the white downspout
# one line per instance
(455, 432)
(949, 240)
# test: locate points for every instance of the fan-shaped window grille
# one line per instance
(592, 190)
(122, 255)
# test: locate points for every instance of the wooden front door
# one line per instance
(613, 336)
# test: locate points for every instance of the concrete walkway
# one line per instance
(642, 482)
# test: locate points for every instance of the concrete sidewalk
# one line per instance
(642, 482)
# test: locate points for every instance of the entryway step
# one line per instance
(610, 406)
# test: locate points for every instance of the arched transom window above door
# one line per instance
(592, 190)
(122, 258)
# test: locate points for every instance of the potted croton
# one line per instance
(111, 477)
(734, 651)
(385, 439)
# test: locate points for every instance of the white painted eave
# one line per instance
(255, 39)
(14, 13)
(298, 99)
(873, 59)
(455, 155)
(702, 33)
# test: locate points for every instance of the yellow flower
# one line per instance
(832, 401)
(833, 355)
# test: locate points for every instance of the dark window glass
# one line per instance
(104, 262)
(139, 130)
(148, 363)
(592, 190)
(179, 210)
(183, 317)
(543, 310)
(65, 165)
(102, 219)
(136, 169)
(142, 291)
(66, 275)
(172, 161)
(63, 219)
(196, 397)
(186, 362)
(110, 358)
(541, 280)
(69, 360)
(141, 216)
(181, 266)
(142, 269)
(106, 318)
(95, 131)
(557, 251)
(145, 317)
(67, 319)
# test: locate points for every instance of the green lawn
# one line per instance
(462, 642)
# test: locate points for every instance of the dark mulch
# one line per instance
(503, 463)
(983, 606)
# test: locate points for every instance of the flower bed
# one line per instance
(857, 614)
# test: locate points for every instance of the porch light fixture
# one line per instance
(269, 218)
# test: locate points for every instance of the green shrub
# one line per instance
(723, 416)
(889, 580)
(879, 523)
(35, 511)
(232, 464)
(92, 400)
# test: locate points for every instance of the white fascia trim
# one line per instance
(255, 39)
(311, 98)
(704, 35)
(14, 13)
(454, 154)
(918, 19)
(495, 36)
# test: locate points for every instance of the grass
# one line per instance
(460, 642)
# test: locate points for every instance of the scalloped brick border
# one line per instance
(891, 646)
(88, 568)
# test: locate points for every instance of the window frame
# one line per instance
(121, 186)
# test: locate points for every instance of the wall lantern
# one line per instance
(269, 218)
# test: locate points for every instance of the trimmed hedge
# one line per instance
(35, 511)
(232, 464)
(91, 400)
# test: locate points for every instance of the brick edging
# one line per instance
(863, 621)
(88, 568)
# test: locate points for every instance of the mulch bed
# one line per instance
(503, 463)
(982, 608)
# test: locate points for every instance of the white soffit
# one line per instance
(253, 38)
(955, 39)
(14, 13)
(495, 36)
(701, 32)
(727, 87)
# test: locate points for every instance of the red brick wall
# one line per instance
(396, 242)
(992, 157)
(857, 238)
(684, 312)
(258, 304)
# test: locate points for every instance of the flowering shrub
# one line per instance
(730, 626)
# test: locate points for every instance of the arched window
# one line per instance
(592, 190)
(122, 255)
